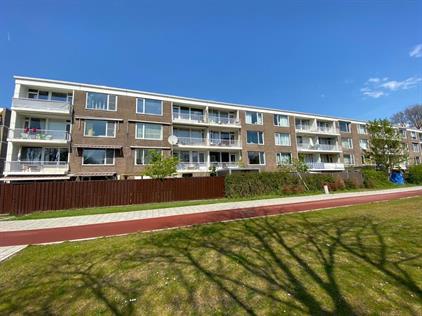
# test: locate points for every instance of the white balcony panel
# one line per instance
(325, 166)
(188, 118)
(192, 166)
(27, 135)
(317, 130)
(225, 143)
(223, 121)
(318, 147)
(191, 141)
(225, 165)
(36, 167)
(37, 105)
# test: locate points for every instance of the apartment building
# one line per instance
(65, 130)
(4, 130)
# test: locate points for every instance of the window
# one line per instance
(348, 159)
(38, 154)
(149, 131)
(347, 143)
(98, 157)
(256, 158)
(362, 129)
(97, 128)
(282, 139)
(59, 96)
(101, 101)
(221, 117)
(413, 135)
(254, 118)
(255, 137)
(189, 114)
(46, 95)
(402, 133)
(281, 120)
(416, 148)
(143, 156)
(283, 158)
(417, 161)
(345, 127)
(363, 143)
(149, 106)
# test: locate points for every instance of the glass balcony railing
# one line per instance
(192, 166)
(224, 142)
(38, 134)
(37, 167)
(41, 105)
(317, 129)
(225, 165)
(322, 147)
(223, 120)
(190, 141)
(325, 166)
(189, 117)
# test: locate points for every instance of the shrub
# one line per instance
(375, 179)
(415, 174)
(352, 183)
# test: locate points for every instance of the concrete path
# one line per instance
(7, 252)
(24, 225)
(82, 227)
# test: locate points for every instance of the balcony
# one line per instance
(192, 166)
(317, 147)
(188, 118)
(36, 167)
(203, 142)
(325, 166)
(190, 141)
(29, 135)
(37, 105)
(225, 165)
(224, 143)
(317, 129)
(212, 119)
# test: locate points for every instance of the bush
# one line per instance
(375, 179)
(352, 184)
(415, 174)
(276, 183)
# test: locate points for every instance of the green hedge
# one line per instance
(280, 183)
(415, 174)
(375, 178)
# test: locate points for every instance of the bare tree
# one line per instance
(411, 116)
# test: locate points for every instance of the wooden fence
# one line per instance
(19, 199)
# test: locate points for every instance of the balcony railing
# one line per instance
(223, 120)
(224, 142)
(190, 141)
(322, 147)
(225, 165)
(38, 134)
(192, 166)
(41, 105)
(317, 129)
(37, 167)
(189, 117)
(325, 166)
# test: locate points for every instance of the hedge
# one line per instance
(281, 183)
(373, 178)
(415, 174)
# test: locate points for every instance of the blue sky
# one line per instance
(357, 59)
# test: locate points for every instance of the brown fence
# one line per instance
(21, 199)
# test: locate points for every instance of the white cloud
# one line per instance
(416, 51)
(378, 87)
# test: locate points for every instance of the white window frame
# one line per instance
(105, 164)
(281, 153)
(362, 129)
(278, 121)
(107, 122)
(108, 102)
(275, 139)
(143, 106)
(367, 144)
(349, 126)
(143, 132)
(352, 159)
(349, 141)
(416, 146)
(259, 156)
(143, 153)
(260, 114)
(263, 140)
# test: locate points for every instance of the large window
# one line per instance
(53, 96)
(281, 120)
(98, 128)
(255, 137)
(348, 159)
(98, 157)
(283, 158)
(149, 106)
(149, 131)
(254, 118)
(256, 157)
(345, 127)
(347, 143)
(363, 143)
(416, 148)
(47, 154)
(101, 101)
(282, 139)
(362, 129)
(143, 156)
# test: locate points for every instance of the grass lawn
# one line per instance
(150, 206)
(364, 259)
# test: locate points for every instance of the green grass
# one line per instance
(151, 206)
(357, 260)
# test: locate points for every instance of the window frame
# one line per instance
(143, 155)
(349, 141)
(258, 113)
(108, 102)
(259, 157)
(263, 140)
(283, 153)
(275, 139)
(143, 106)
(107, 122)
(278, 121)
(143, 138)
(105, 157)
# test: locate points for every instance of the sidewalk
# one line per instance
(26, 225)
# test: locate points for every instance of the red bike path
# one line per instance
(49, 235)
